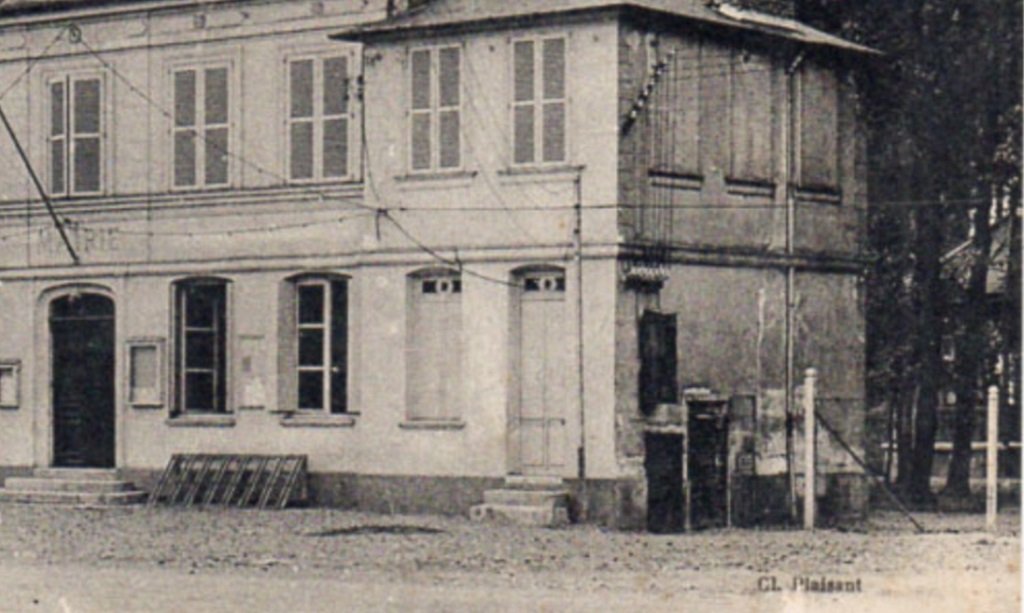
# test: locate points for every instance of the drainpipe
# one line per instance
(790, 376)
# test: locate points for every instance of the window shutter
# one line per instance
(523, 114)
(301, 80)
(818, 127)
(215, 82)
(339, 347)
(335, 94)
(751, 117)
(300, 132)
(421, 115)
(449, 153)
(58, 139)
(86, 126)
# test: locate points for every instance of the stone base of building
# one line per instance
(614, 503)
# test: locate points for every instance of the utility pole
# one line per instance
(577, 239)
(39, 187)
(790, 375)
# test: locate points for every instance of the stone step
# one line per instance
(73, 498)
(77, 474)
(524, 482)
(541, 516)
(527, 497)
(86, 486)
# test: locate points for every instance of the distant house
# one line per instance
(441, 248)
(1004, 370)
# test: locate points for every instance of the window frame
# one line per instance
(221, 370)
(435, 110)
(14, 367)
(538, 102)
(70, 137)
(327, 367)
(200, 126)
(319, 118)
(158, 393)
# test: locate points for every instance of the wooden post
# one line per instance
(809, 443)
(687, 498)
(992, 458)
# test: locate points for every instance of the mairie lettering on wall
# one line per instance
(84, 239)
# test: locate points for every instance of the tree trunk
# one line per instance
(927, 343)
(970, 358)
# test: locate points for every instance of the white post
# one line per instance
(809, 443)
(992, 458)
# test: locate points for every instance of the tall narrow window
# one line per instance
(434, 350)
(200, 346)
(657, 335)
(201, 127)
(436, 97)
(819, 127)
(539, 101)
(321, 337)
(319, 118)
(76, 135)
(751, 117)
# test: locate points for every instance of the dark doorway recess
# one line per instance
(82, 333)
(707, 457)
(663, 464)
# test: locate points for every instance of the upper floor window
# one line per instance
(751, 117)
(76, 135)
(319, 118)
(539, 101)
(819, 127)
(201, 127)
(435, 116)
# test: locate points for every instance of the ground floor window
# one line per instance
(321, 345)
(200, 345)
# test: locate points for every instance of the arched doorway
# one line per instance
(82, 337)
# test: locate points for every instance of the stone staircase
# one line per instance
(93, 487)
(526, 501)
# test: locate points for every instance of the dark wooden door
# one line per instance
(82, 331)
(663, 465)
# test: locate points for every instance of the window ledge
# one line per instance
(675, 178)
(433, 424)
(750, 187)
(300, 420)
(8, 407)
(145, 406)
(440, 179)
(818, 194)
(540, 169)
(201, 421)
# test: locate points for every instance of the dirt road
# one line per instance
(78, 560)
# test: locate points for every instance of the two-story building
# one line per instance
(438, 247)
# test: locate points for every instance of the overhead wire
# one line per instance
(706, 69)
(31, 62)
(198, 134)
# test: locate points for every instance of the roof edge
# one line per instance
(731, 18)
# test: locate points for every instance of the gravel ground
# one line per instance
(428, 550)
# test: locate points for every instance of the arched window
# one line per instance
(434, 346)
(200, 345)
